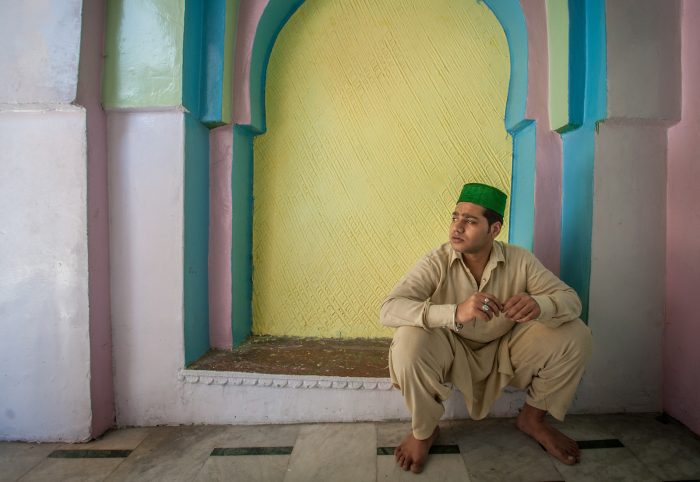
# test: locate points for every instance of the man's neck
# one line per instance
(476, 262)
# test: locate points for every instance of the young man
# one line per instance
(481, 314)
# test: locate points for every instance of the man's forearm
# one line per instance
(398, 311)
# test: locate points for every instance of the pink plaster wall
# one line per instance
(549, 147)
(249, 13)
(89, 86)
(681, 391)
(220, 157)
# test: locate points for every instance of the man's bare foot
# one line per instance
(412, 453)
(531, 421)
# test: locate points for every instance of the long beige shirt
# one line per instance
(429, 293)
(427, 296)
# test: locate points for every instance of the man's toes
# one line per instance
(416, 468)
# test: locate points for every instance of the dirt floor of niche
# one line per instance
(358, 357)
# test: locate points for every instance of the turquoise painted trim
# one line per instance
(242, 235)
(577, 63)
(271, 22)
(192, 56)
(577, 211)
(196, 239)
(274, 17)
(522, 196)
(510, 15)
(522, 189)
(578, 156)
(213, 62)
(596, 90)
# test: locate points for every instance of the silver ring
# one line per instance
(485, 307)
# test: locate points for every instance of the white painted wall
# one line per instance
(644, 52)
(627, 270)
(44, 338)
(145, 152)
(627, 297)
(40, 49)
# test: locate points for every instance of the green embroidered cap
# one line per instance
(484, 195)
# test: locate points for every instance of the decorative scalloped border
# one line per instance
(207, 377)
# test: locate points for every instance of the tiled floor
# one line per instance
(620, 447)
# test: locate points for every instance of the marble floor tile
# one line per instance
(598, 465)
(69, 470)
(390, 434)
(169, 453)
(258, 436)
(249, 468)
(17, 458)
(495, 450)
(669, 450)
(581, 427)
(438, 468)
(335, 452)
(121, 439)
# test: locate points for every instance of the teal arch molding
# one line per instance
(510, 15)
(588, 105)
(196, 239)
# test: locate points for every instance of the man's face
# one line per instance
(469, 230)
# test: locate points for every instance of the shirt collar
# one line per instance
(495, 257)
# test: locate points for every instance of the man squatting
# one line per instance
(481, 314)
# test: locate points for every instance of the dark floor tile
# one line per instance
(89, 454)
(599, 444)
(233, 451)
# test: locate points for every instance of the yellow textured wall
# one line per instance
(377, 112)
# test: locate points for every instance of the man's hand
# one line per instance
(482, 306)
(521, 308)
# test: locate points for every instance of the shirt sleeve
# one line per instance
(409, 304)
(558, 302)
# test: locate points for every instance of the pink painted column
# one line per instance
(681, 390)
(249, 13)
(220, 157)
(549, 146)
(89, 84)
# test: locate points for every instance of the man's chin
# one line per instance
(459, 247)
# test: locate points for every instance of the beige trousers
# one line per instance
(548, 362)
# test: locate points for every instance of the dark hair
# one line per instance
(492, 217)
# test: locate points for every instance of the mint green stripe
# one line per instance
(143, 53)
(232, 7)
(558, 49)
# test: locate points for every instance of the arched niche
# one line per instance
(273, 19)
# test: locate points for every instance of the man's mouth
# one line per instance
(456, 239)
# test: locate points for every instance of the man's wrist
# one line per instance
(441, 316)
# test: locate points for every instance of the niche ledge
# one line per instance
(210, 377)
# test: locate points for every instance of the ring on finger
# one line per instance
(485, 307)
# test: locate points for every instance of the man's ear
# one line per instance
(496, 229)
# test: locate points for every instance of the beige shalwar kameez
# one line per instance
(547, 356)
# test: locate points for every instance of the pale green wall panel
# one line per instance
(558, 43)
(143, 53)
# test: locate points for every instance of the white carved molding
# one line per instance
(208, 377)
